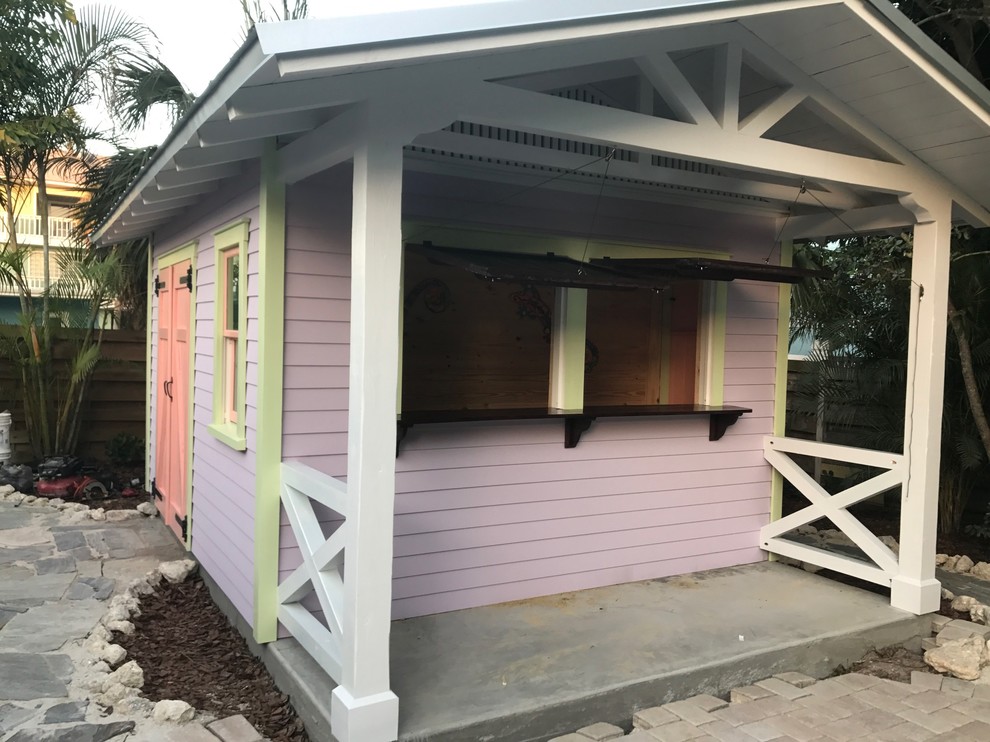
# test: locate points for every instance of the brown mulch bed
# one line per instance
(189, 651)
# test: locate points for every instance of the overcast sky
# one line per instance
(199, 36)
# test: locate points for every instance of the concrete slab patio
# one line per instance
(535, 669)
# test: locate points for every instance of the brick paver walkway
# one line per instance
(796, 707)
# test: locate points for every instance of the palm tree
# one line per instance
(857, 378)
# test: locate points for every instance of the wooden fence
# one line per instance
(116, 400)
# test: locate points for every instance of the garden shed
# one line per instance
(470, 305)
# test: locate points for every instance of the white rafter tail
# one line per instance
(828, 560)
(323, 147)
(728, 79)
(204, 156)
(760, 121)
(668, 80)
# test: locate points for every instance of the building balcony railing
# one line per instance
(29, 230)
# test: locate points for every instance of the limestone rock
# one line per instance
(178, 570)
(981, 570)
(174, 711)
(56, 501)
(16, 499)
(140, 586)
(127, 604)
(116, 516)
(146, 508)
(978, 613)
(963, 603)
(116, 613)
(98, 514)
(28, 499)
(961, 658)
(121, 627)
(949, 565)
(948, 594)
(135, 706)
(129, 674)
(964, 564)
(113, 653)
(7, 489)
(100, 632)
(115, 692)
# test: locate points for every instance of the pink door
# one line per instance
(172, 409)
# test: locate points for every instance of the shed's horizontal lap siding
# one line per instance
(491, 512)
(222, 516)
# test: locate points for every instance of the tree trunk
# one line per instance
(969, 377)
(45, 239)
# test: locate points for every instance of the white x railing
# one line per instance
(322, 569)
(834, 507)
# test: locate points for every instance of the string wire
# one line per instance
(598, 203)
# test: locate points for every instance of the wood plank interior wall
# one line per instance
(473, 344)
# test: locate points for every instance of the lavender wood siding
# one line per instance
(498, 511)
(222, 516)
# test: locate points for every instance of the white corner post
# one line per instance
(915, 588)
(567, 349)
(363, 708)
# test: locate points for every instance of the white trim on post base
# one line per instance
(364, 709)
(364, 719)
(915, 588)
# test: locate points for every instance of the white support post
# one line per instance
(915, 588)
(567, 352)
(363, 708)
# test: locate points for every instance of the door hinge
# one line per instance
(183, 524)
(187, 280)
(155, 491)
(158, 285)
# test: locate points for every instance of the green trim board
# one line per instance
(780, 379)
(232, 237)
(186, 252)
(149, 339)
(271, 347)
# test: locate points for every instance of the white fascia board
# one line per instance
(245, 62)
(412, 38)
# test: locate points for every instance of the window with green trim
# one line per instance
(230, 342)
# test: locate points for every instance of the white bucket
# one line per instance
(6, 420)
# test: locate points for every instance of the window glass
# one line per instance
(233, 281)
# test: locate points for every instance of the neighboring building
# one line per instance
(395, 228)
(64, 192)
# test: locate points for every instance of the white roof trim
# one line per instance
(332, 46)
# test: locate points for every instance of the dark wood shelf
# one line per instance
(576, 422)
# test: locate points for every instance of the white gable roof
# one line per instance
(880, 74)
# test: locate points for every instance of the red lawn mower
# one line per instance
(67, 478)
